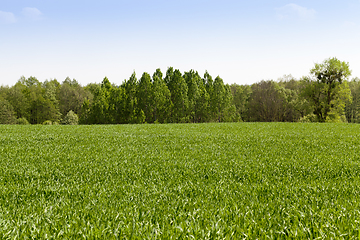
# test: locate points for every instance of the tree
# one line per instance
(192, 78)
(50, 89)
(208, 81)
(100, 105)
(144, 96)
(267, 102)
(161, 95)
(71, 96)
(132, 112)
(352, 109)
(117, 105)
(179, 90)
(42, 104)
(222, 100)
(241, 95)
(17, 98)
(202, 104)
(7, 114)
(326, 91)
(297, 105)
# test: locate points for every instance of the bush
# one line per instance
(22, 121)
(47, 122)
(70, 119)
(309, 118)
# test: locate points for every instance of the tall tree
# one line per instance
(132, 112)
(179, 90)
(161, 95)
(224, 107)
(7, 114)
(326, 90)
(352, 109)
(71, 96)
(50, 89)
(241, 95)
(117, 101)
(145, 97)
(41, 105)
(208, 81)
(267, 102)
(192, 78)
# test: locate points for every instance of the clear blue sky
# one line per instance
(241, 41)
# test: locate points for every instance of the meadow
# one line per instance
(180, 181)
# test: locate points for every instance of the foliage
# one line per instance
(187, 97)
(71, 96)
(352, 108)
(7, 114)
(177, 181)
(241, 95)
(22, 121)
(71, 118)
(328, 91)
(47, 122)
(268, 102)
(308, 118)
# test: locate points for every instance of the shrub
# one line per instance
(47, 122)
(22, 121)
(70, 119)
(309, 118)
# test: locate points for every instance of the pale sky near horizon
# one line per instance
(241, 41)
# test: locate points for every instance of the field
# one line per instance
(180, 181)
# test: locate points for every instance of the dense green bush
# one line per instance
(309, 118)
(71, 118)
(22, 121)
(47, 122)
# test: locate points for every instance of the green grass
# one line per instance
(180, 181)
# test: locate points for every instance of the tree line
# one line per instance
(326, 95)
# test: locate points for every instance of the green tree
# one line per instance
(7, 114)
(179, 90)
(145, 97)
(117, 101)
(17, 98)
(71, 96)
(132, 112)
(352, 109)
(241, 95)
(326, 91)
(222, 101)
(208, 81)
(192, 78)
(41, 103)
(161, 95)
(50, 89)
(85, 113)
(99, 107)
(298, 106)
(267, 102)
(203, 100)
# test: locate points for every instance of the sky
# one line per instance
(243, 42)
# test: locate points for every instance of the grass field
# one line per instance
(180, 181)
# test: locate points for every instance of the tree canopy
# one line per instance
(326, 95)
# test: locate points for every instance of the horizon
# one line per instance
(242, 42)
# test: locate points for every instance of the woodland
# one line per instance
(327, 94)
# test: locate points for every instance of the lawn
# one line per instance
(180, 181)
